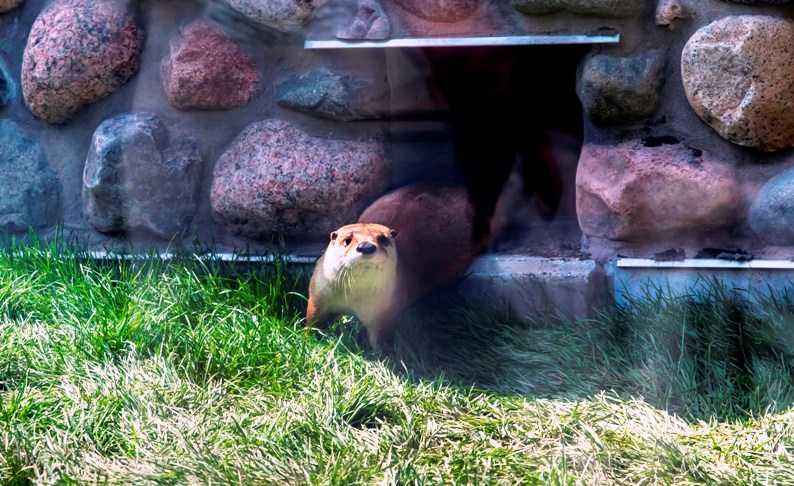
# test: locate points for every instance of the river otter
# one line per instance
(405, 245)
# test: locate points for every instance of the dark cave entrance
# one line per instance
(506, 122)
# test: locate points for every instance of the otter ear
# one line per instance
(394, 233)
(334, 235)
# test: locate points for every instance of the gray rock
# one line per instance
(772, 212)
(616, 90)
(326, 94)
(137, 177)
(30, 192)
(600, 8)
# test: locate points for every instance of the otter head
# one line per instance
(361, 258)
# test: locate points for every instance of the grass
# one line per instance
(185, 372)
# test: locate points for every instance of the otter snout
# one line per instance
(366, 248)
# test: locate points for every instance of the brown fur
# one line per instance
(434, 246)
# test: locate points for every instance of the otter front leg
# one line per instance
(319, 316)
(381, 335)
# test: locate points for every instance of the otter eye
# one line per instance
(383, 241)
(348, 240)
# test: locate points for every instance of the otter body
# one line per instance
(405, 245)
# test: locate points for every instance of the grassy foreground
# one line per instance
(174, 373)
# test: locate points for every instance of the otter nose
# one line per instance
(366, 248)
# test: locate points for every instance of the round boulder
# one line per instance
(281, 15)
(78, 52)
(206, 70)
(657, 186)
(772, 211)
(441, 10)
(29, 190)
(615, 90)
(277, 179)
(738, 74)
(138, 177)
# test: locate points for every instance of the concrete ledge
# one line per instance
(634, 277)
(528, 285)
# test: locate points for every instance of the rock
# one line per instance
(639, 190)
(326, 94)
(441, 10)
(30, 192)
(7, 5)
(617, 90)
(138, 177)
(8, 89)
(772, 211)
(206, 70)
(669, 12)
(78, 52)
(738, 74)
(370, 23)
(281, 15)
(600, 8)
(277, 179)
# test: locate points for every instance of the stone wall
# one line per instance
(205, 125)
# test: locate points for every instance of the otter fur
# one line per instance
(405, 245)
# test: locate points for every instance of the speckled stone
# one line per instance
(326, 94)
(670, 12)
(29, 190)
(8, 5)
(640, 190)
(600, 8)
(78, 52)
(137, 176)
(206, 70)
(441, 10)
(277, 179)
(616, 90)
(772, 212)
(282, 15)
(369, 23)
(738, 75)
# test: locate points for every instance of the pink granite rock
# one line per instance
(78, 52)
(738, 74)
(669, 12)
(441, 10)
(641, 189)
(206, 70)
(7, 5)
(276, 178)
